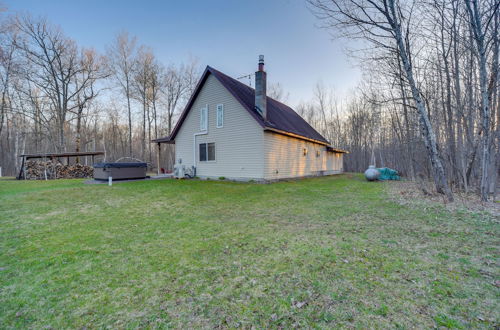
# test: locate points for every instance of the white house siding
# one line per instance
(284, 158)
(238, 145)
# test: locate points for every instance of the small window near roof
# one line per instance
(220, 115)
(304, 151)
(318, 153)
(204, 119)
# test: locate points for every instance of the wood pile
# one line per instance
(39, 170)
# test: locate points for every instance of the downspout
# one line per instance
(194, 145)
(194, 140)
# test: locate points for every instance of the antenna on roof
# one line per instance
(249, 76)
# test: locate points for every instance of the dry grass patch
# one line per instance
(411, 193)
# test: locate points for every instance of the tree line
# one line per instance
(428, 104)
(60, 97)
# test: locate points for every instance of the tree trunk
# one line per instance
(459, 158)
(129, 119)
(439, 172)
(78, 133)
(476, 26)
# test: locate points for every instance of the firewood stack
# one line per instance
(37, 170)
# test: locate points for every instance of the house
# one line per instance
(230, 130)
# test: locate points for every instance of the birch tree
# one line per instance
(386, 24)
(480, 21)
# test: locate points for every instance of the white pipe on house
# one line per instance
(110, 181)
(194, 139)
(194, 145)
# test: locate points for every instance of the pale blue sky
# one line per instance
(226, 34)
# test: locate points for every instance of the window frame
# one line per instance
(207, 158)
(203, 111)
(219, 108)
(208, 152)
(200, 148)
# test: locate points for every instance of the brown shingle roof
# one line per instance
(280, 117)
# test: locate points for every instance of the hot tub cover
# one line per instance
(119, 165)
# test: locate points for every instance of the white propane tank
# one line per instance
(372, 174)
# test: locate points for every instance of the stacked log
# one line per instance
(41, 170)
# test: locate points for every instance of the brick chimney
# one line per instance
(260, 89)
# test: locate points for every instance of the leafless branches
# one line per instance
(435, 62)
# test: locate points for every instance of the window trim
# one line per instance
(219, 107)
(206, 152)
(215, 152)
(202, 110)
(200, 148)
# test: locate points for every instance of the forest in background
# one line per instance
(427, 104)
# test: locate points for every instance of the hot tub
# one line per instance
(120, 171)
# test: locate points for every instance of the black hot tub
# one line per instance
(120, 171)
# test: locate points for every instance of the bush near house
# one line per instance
(326, 252)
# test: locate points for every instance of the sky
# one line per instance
(228, 35)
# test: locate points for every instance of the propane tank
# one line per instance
(372, 174)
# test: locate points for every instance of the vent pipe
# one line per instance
(260, 89)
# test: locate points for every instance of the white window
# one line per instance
(220, 115)
(204, 119)
(207, 152)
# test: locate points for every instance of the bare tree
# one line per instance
(52, 94)
(92, 70)
(479, 21)
(175, 85)
(52, 64)
(142, 91)
(386, 24)
(276, 91)
(178, 86)
(7, 68)
(122, 60)
(156, 87)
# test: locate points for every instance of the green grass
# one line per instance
(323, 252)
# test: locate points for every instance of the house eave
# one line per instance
(166, 140)
(336, 150)
(297, 136)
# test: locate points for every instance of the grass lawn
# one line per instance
(322, 252)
